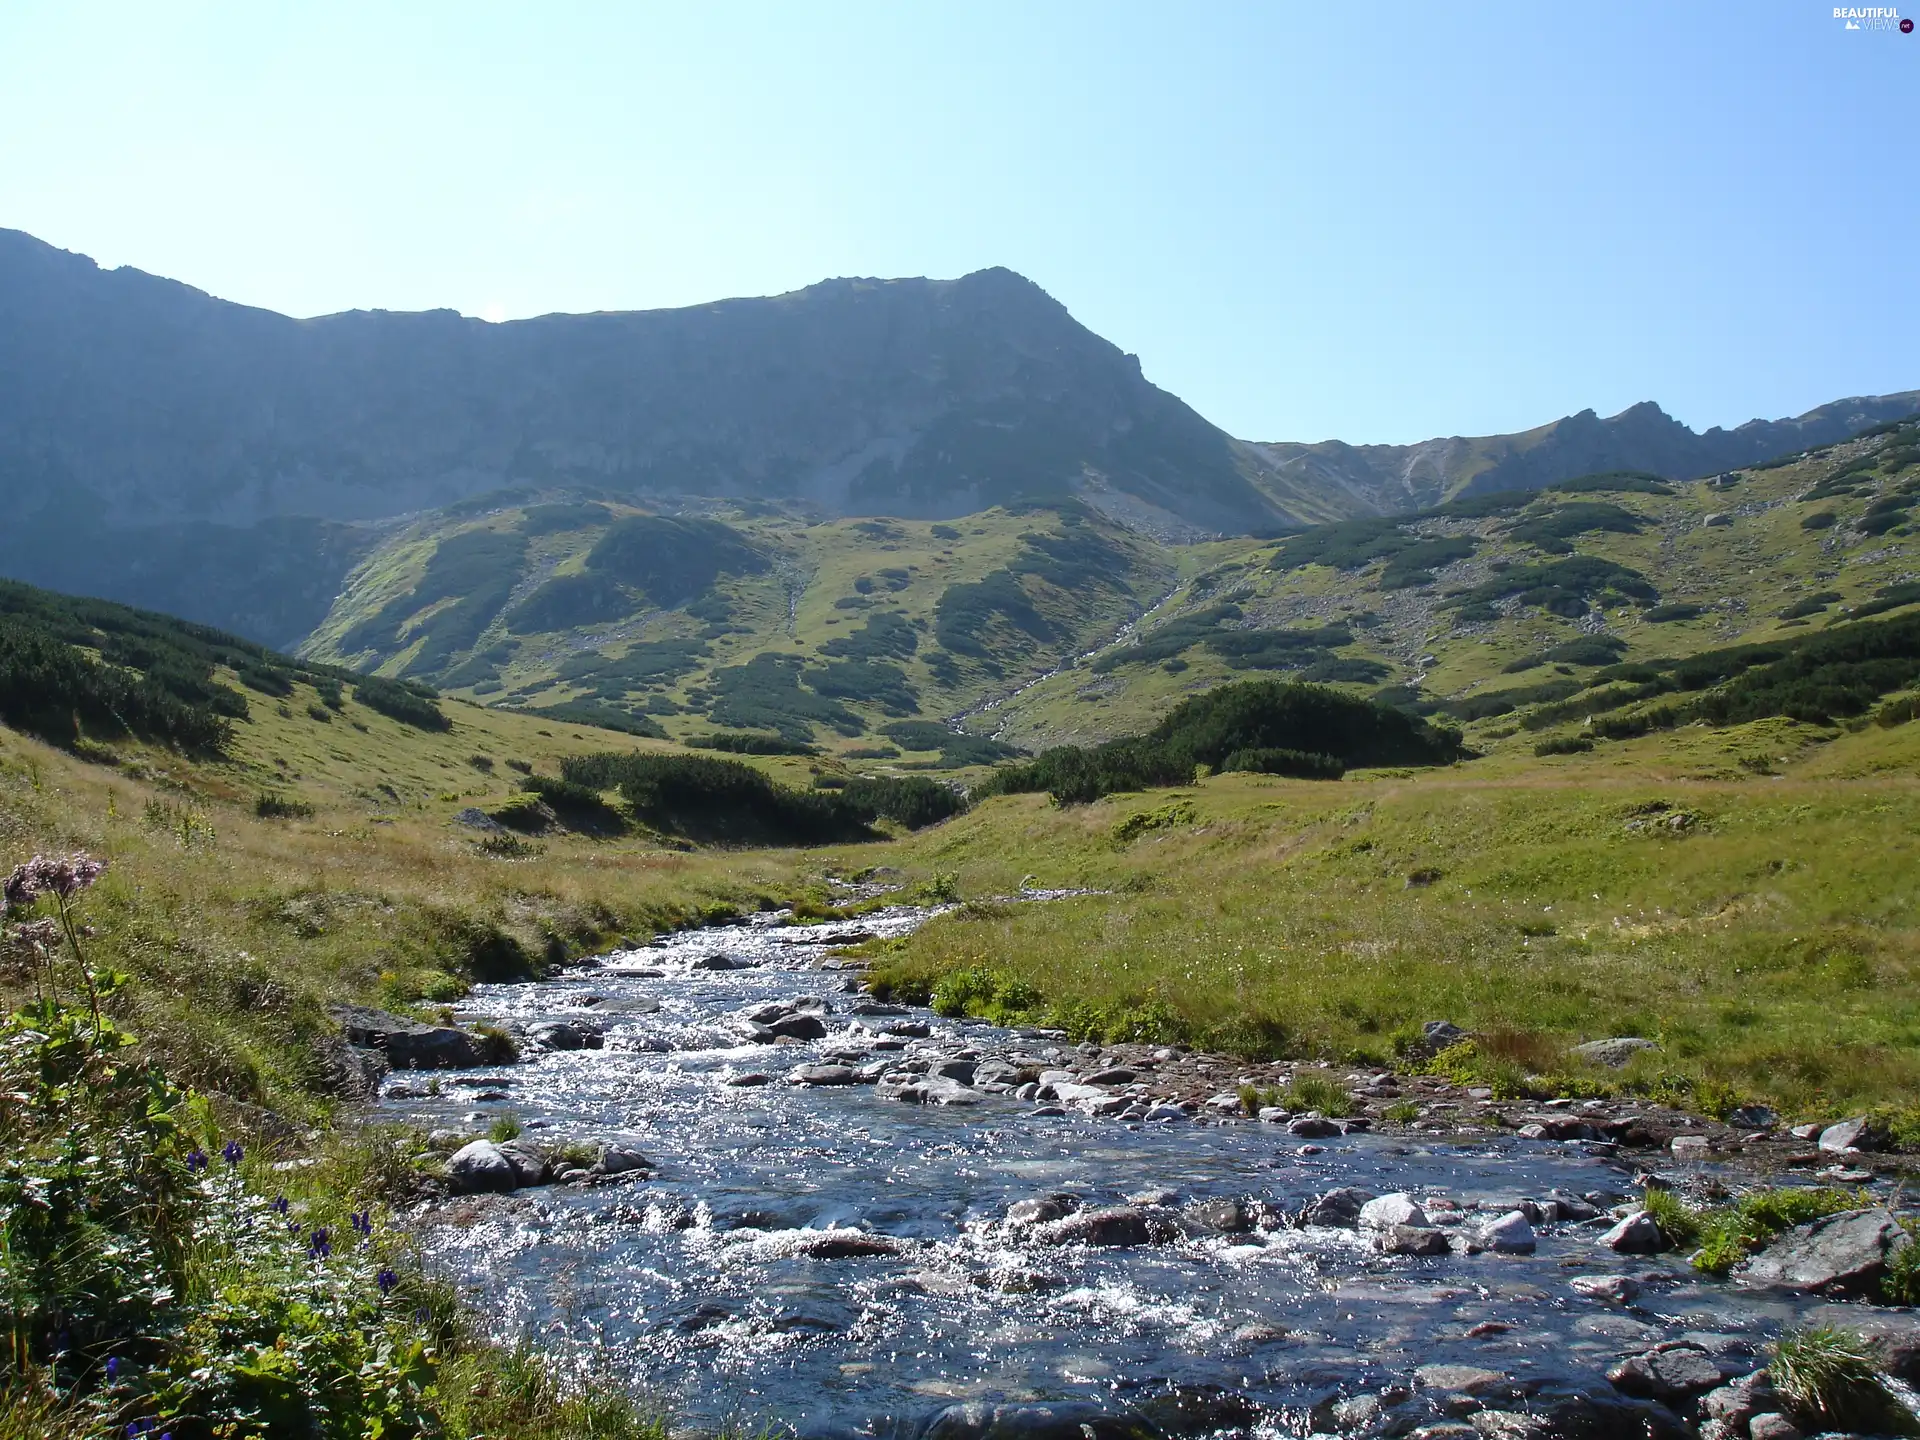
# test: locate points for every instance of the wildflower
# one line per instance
(363, 1222)
(294, 1227)
(319, 1245)
(113, 1366)
(386, 1280)
(279, 1204)
(232, 1153)
(61, 875)
(196, 1161)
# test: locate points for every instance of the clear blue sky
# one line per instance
(1376, 222)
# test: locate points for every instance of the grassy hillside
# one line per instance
(854, 635)
(1503, 602)
(1764, 929)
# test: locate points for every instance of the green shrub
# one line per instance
(1829, 1380)
(1298, 764)
(281, 807)
(1307, 1091)
(718, 801)
(408, 702)
(1564, 745)
(914, 802)
(750, 742)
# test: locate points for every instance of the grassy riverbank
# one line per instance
(1761, 927)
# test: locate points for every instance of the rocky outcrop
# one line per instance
(1842, 1255)
(409, 1045)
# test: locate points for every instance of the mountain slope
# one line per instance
(1386, 479)
(932, 398)
(1504, 609)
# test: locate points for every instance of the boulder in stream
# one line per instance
(1059, 1420)
(407, 1044)
(821, 1075)
(1040, 1208)
(1841, 1255)
(1114, 1225)
(1337, 1209)
(1388, 1211)
(479, 1168)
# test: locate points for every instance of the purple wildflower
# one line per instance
(319, 1244)
(113, 1366)
(386, 1280)
(61, 875)
(232, 1153)
(363, 1222)
(196, 1160)
(279, 1204)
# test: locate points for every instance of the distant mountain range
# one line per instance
(1392, 479)
(166, 448)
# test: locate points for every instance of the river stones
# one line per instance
(800, 1026)
(479, 1169)
(1111, 1226)
(1039, 1208)
(721, 962)
(1337, 1209)
(1510, 1234)
(1412, 1240)
(529, 1165)
(1636, 1234)
(1851, 1135)
(407, 1044)
(1737, 1402)
(876, 1007)
(1613, 1289)
(618, 1159)
(960, 1070)
(1222, 1217)
(1116, 1075)
(1669, 1373)
(847, 1245)
(821, 1075)
(1388, 1211)
(561, 1035)
(926, 1090)
(1841, 1255)
(749, 1079)
(1313, 1127)
(1061, 1420)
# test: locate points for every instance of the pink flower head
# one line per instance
(62, 875)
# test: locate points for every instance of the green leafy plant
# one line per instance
(1830, 1380)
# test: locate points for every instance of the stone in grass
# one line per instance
(1614, 1053)
(1860, 1133)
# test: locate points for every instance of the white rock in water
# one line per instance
(1510, 1234)
(1388, 1211)
(480, 1167)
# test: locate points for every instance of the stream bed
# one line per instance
(832, 1259)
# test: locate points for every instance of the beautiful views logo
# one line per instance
(1872, 17)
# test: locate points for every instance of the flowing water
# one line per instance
(709, 1281)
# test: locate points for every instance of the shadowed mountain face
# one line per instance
(930, 398)
(1389, 479)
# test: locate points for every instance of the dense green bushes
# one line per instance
(50, 689)
(912, 801)
(407, 701)
(1209, 728)
(750, 742)
(1300, 764)
(721, 802)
